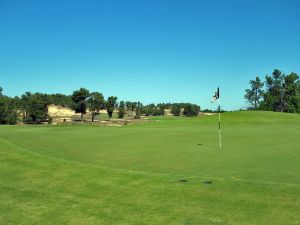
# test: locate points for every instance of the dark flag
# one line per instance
(216, 96)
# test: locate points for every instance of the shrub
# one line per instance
(191, 110)
(50, 119)
(175, 110)
(28, 120)
(12, 118)
(121, 112)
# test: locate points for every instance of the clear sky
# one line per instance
(147, 50)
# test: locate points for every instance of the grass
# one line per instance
(130, 174)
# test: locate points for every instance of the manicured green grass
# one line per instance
(130, 175)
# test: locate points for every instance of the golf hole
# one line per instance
(183, 181)
(207, 182)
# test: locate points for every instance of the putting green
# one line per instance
(168, 171)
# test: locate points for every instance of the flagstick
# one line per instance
(216, 97)
(220, 137)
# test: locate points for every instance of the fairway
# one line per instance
(167, 171)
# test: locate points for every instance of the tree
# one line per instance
(274, 95)
(60, 99)
(8, 110)
(157, 111)
(282, 93)
(23, 104)
(164, 105)
(130, 106)
(255, 94)
(152, 109)
(278, 90)
(138, 110)
(111, 104)
(277, 96)
(3, 108)
(95, 103)
(13, 115)
(175, 110)
(121, 112)
(291, 96)
(79, 99)
(34, 107)
(146, 110)
(191, 110)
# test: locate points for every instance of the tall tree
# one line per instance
(255, 94)
(95, 103)
(111, 104)
(278, 90)
(291, 96)
(282, 92)
(79, 99)
(3, 108)
(8, 110)
(138, 110)
(121, 111)
(274, 95)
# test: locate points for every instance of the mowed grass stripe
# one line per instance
(188, 177)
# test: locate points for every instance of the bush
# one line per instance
(12, 118)
(28, 120)
(175, 110)
(139, 106)
(158, 112)
(8, 109)
(35, 107)
(121, 113)
(50, 119)
(191, 110)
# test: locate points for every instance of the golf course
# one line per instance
(169, 170)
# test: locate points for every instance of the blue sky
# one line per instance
(147, 50)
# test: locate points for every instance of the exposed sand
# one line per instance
(60, 111)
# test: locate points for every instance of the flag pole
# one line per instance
(216, 97)
(220, 137)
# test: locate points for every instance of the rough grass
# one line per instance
(130, 174)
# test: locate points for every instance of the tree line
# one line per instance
(32, 108)
(279, 93)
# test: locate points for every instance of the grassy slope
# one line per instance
(128, 175)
